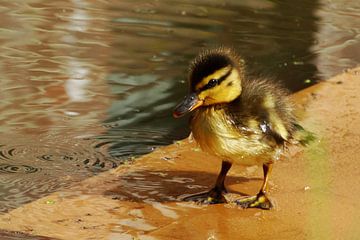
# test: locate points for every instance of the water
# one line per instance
(86, 85)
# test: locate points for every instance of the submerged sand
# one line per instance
(315, 190)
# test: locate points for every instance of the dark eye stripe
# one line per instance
(225, 76)
(211, 83)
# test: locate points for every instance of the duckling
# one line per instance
(240, 120)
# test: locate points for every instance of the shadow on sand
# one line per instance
(167, 186)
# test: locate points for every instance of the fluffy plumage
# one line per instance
(240, 120)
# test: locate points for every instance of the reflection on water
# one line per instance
(85, 85)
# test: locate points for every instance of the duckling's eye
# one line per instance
(212, 83)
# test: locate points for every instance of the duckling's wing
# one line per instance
(264, 107)
(259, 123)
(267, 129)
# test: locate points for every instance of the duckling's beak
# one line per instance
(189, 103)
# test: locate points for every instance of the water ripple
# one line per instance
(124, 143)
(8, 168)
(32, 170)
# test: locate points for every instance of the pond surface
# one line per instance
(86, 86)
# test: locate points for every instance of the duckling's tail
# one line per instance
(302, 136)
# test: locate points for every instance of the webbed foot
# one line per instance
(258, 201)
(212, 197)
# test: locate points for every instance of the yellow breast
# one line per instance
(217, 135)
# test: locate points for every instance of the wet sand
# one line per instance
(315, 190)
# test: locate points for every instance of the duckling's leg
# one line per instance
(215, 195)
(260, 200)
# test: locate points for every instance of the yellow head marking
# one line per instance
(227, 86)
(216, 75)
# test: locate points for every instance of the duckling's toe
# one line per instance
(211, 197)
(258, 201)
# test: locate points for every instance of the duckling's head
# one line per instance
(215, 77)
